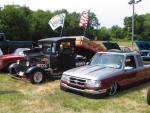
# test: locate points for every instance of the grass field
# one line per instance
(17, 96)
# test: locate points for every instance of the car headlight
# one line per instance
(18, 61)
(1, 61)
(65, 78)
(93, 83)
(27, 63)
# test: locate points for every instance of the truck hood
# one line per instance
(33, 52)
(143, 45)
(8, 56)
(94, 72)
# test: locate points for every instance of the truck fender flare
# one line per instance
(31, 69)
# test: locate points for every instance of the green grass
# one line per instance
(17, 96)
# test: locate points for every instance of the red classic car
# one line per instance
(6, 60)
(1, 53)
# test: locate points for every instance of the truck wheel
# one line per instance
(7, 67)
(113, 89)
(37, 77)
(148, 96)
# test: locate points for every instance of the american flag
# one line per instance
(84, 19)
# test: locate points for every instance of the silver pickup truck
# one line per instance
(106, 72)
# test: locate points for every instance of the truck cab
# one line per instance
(61, 52)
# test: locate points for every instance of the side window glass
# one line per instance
(139, 60)
(130, 62)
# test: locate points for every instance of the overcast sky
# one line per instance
(109, 12)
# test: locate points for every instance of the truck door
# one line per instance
(140, 68)
(130, 70)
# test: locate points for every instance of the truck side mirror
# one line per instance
(127, 68)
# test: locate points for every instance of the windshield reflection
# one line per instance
(107, 60)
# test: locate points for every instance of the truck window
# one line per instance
(130, 61)
(139, 61)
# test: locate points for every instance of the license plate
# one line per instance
(21, 73)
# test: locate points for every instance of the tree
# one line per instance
(104, 34)
(117, 32)
(15, 23)
(141, 26)
(39, 25)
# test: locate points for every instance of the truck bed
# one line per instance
(86, 47)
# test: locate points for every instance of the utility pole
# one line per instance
(133, 2)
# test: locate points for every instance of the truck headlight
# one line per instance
(93, 83)
(65, 78)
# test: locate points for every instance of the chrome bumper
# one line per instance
(93, 92)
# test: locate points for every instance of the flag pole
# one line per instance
(61, 32)
(84, 31)
(64, 15)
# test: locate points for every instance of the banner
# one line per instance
(57, 21)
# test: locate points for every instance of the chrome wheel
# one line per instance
(148, 96)
(38, 77)
(113, 89)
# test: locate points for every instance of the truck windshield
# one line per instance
(107, 60)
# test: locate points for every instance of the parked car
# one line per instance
(144, 49)
(57, 54)
(1, 53)
(106, 72)
(7, 60)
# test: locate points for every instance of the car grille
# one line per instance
(77, 81)
(22, 62)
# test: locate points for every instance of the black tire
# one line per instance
(148, 96)
(113, 89)
(37, 76)
(7, 67)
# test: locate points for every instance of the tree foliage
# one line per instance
(21, 23)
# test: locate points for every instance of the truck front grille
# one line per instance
(77, 81)
(22, 62)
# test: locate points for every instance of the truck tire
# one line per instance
(7, 67)
(113, 89)
(37, 76)
(148, 96)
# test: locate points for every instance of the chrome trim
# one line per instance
(85, 90)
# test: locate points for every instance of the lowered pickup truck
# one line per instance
(106, 72)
